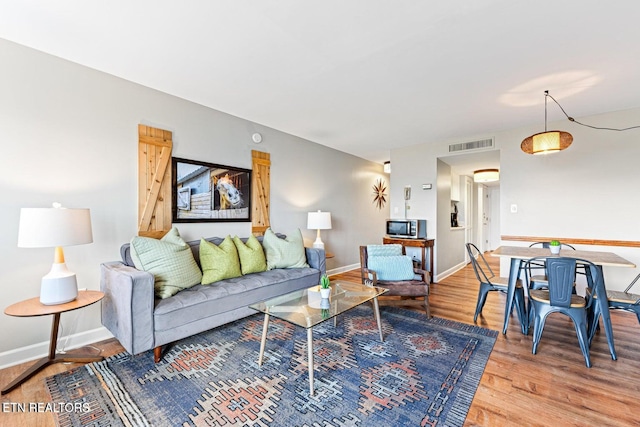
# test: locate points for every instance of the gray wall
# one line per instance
(69, 134)
(450, 248)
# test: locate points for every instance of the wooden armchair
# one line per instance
(412, 292)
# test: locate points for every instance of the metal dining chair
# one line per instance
(559, 297)
(489, 282)
(616, 300)
(539, 281)
(546, 245)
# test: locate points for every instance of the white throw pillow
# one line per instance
(284, 253)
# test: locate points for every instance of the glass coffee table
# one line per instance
(306, 309)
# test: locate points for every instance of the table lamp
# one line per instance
(319, 221)
(55, 227)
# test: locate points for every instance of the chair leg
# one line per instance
(580, 323)
(593, 325)
(426, 306)
(608, 328)
(522, 310)
(540, 316)
(482, 298)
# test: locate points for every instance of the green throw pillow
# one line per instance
(252, 259)
(284, 253)
(169, 259)
(219, 262)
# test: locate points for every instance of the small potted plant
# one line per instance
(554, 247)
(325, 288)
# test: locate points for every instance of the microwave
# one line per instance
(407, 228)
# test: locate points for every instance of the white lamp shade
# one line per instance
(319, 220)
(51, 227)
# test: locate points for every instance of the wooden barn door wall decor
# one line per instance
(154, 181)
(260, 192)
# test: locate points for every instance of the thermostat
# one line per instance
(257, 138)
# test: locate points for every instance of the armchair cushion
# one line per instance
(394, 267)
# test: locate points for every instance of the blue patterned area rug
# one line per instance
(425, 373)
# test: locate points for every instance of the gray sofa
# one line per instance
(142, 322)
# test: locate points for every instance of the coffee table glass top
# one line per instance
(305, 307)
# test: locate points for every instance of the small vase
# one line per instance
(554, 249)
(324, 293)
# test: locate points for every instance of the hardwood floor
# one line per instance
(552, 388)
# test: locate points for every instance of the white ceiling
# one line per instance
(361, 76)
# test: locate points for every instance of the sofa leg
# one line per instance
(157, 354)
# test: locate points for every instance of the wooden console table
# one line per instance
(423, 244)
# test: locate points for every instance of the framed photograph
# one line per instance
(207, 192)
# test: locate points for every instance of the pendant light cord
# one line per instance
(571, 119)
(546, 94)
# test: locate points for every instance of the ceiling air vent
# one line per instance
(471, 145)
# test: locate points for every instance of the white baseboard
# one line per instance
(343, 269)
(39, 350)
(450, 271)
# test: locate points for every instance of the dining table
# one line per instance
(519, 254)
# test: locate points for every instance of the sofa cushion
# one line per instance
(186, 309)
(394, 267)
(284, 253)
(251, 254)
(169, 259)
(219, 261)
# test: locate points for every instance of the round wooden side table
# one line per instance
(33, 307)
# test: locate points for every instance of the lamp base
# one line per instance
(318, 244)
(58, 286)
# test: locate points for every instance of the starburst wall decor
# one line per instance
(379, 193)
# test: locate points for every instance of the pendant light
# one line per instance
(486, 175)
(548, 141)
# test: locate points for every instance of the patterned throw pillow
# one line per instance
(169, 259)
(384, 250)
(284, 253)
(219, 262)
(394, 267)
(252, 259)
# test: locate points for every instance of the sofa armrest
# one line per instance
(316, 258)
(128, 304)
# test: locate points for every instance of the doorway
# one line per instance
(482, 223)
